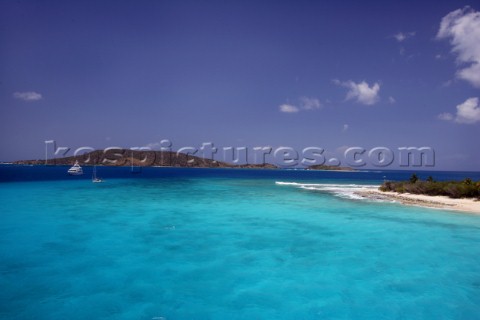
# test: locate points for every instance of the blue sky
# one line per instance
(328, 74)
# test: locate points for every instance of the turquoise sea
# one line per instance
(229, 244)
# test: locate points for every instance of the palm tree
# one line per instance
(413, 178)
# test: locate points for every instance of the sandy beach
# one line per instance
(439, 202)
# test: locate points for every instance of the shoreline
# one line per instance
(420, 200)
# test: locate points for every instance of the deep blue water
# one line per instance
(228, 244)
(37, 173)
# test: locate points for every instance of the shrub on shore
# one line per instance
(453, 189)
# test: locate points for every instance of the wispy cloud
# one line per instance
(345, 127)
(361, 92)
(391, 100)
(402, 36)
(446, 116)
(447, 83)
(162, 145)
(304, 103)
(153, 145)
(467, 112)
(462, 28)
(310, 103)
(27, 96)
(288, 108)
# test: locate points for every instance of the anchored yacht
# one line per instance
(76, 170)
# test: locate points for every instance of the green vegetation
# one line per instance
(453, 189)
(413, 178)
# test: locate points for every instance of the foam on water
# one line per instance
(348, 191)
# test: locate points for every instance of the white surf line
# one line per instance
(348, 191)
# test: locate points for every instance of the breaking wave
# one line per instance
(348, 191)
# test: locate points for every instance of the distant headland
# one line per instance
(331, 168)
(127, 157)
(137, 158)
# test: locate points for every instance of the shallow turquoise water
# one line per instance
(213, 248)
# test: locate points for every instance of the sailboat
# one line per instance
(95, 179)
(132, 168)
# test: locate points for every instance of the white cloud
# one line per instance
(310, 103)
(153, 145)
(345, 127)
(361, 92)
(288, 108)
(462, 27)
(471, 74)
(467, 112)
(305, 103)
(391, 100)
(163, 145)
(27, 96)
(402, 36)
(445, 116)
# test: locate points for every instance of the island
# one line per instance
(127, 157)
(329, 168)
(461, 195)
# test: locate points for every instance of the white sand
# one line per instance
(440, 202)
